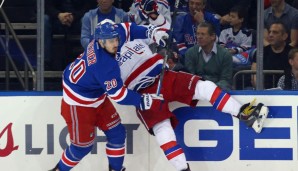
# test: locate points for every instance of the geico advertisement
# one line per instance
(33, 135)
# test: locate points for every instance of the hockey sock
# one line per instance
(222, 101)
(72, 156)
(115, 148)
(166, 138)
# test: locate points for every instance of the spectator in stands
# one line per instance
(267, 4)
(208, 59)
(186, 25)
(295, 4)
(281, 11)
(289, 81)
(105, 10)
(275, 56)
(182, 6)
(62, 17)
(222, 8)
(138, 16)
(123, 4)
(237, 39)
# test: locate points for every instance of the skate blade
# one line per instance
(258, 124)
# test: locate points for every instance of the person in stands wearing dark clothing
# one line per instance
(289, 81)
(275, 56)
(63, 17)
(281, 11)
(222, 8)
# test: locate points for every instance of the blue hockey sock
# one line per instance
(72, 156)
(115, 148)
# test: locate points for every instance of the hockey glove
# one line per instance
(149, 7)
(157, 34)
(160, 37)
(150, 101)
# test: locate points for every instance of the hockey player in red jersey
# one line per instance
(140, 71)
(87, 82)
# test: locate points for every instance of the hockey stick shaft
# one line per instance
(168, 46)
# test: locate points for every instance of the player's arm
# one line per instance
(179, 33)
(131, 31)
(164, 9)
(113, 85)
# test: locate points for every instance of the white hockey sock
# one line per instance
(207, 90)
(165, 137)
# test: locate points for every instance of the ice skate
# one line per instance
(253, 116)
(188, 169)
(55, 168)
(110, 169)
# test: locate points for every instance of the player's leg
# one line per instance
(108, 120)
(115, 147)
(165, 136)
(222, 101)
(80, 124)
(160, 124)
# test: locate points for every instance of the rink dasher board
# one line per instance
(33, 135)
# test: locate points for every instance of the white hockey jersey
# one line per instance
(241, 40)
(138, 65)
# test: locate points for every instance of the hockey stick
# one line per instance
(169, 42)
(2, 3)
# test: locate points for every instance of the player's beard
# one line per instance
(115, 50)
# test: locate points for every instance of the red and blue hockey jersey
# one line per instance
(95, 73)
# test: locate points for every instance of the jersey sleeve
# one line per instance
(222, 38)
(214, 20)
(164, 9)
(178, 34)
(246, 41)
(130, 31)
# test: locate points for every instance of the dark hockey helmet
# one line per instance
(105, 30)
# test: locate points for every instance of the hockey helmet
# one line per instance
(105, 30)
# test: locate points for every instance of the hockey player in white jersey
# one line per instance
(140, 70)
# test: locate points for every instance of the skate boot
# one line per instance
(110, 169)
(188, 169)
(55, 168)
(253, 116)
